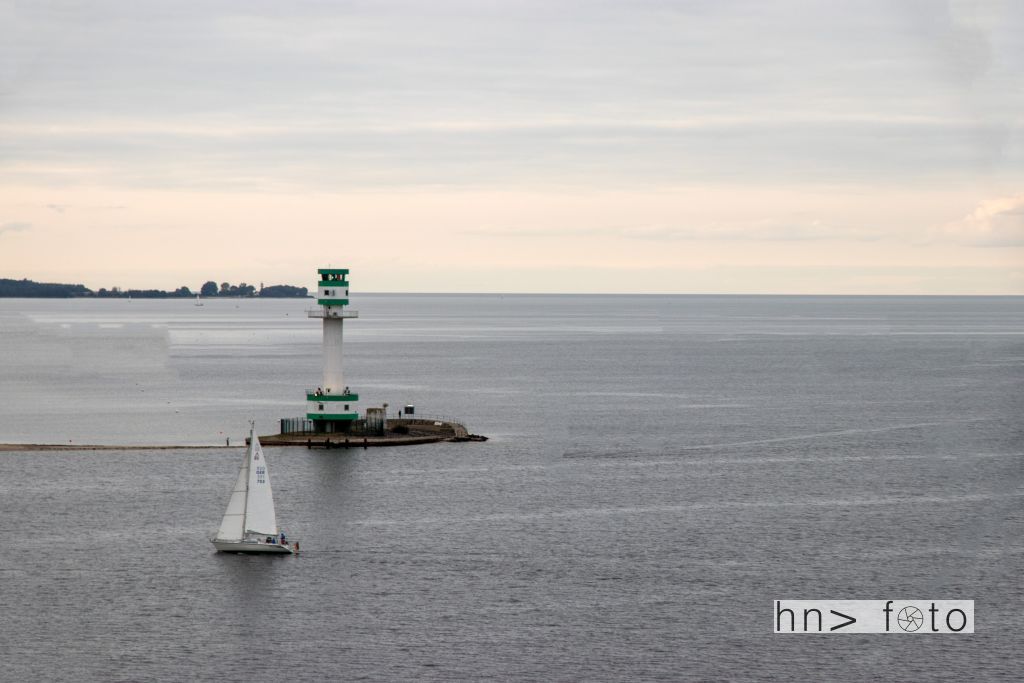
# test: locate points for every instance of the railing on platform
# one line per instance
(428, 418)
(311, 391)
(324, 313)
(303, 425)
(296, 425)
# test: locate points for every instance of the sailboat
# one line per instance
(198, 301)
(250, 524)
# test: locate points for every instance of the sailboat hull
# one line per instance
(256, 547)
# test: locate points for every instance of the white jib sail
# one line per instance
(232, 527)
(259, 501)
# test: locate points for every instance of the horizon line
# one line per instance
(355, 295)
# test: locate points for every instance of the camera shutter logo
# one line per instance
(910, 619)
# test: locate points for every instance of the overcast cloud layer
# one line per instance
(590, 131)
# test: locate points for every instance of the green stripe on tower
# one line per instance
(332, 397)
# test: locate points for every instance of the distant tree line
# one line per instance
(30, 289)
(27, 288)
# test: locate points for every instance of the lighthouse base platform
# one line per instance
(396, 432)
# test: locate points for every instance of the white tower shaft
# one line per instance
(334, 380)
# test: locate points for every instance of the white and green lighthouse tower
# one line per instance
(332, 406)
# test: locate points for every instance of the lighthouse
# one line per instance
(332, 406)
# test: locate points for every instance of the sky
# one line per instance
(645, 146)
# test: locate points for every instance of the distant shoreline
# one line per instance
(29, 289)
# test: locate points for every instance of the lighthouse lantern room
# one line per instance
(332, 406)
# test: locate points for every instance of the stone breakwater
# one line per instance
(398, 432)
(9, 447)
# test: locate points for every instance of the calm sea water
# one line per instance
(659, 470)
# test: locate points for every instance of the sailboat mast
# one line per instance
(248, 466)
(245, 509)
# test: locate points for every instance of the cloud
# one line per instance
(994, 223)
(14, 227)
(329, 95)
(768, 230)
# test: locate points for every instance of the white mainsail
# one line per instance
(259, 499)
(232, 527)
(251, 506)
